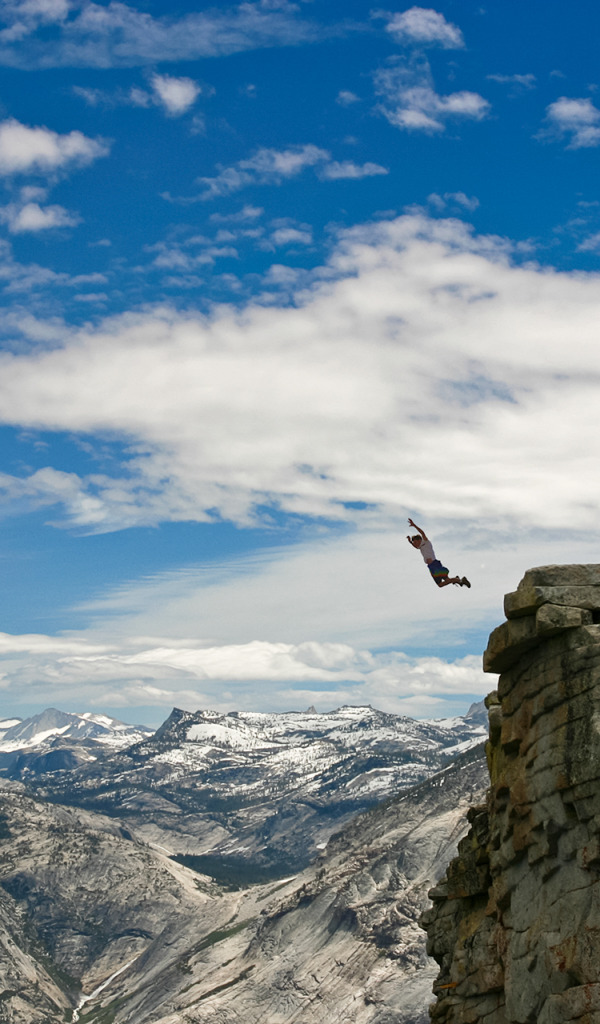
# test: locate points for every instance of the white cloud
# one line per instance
(291, 236)
(590, 244)
(523, 81)
(23, 17)
(346, 98)
(266, 166)
(32, 217)
(117, 34)
(419, 343)
(441, 203)
(25, 150)
(174, 257)
(425, 27)
(410, 101)
(578, 118)
(272, 166)
(176, 95)
(136, 97)
(93, 97)
(348, 169)
(285, 628)
(225, 677)
(247, 213)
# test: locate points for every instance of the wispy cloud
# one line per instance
(348, 169)
(460, 199)
(590, 244)
(225, 676)
(291, 236)
(265, 167)
(425, 27)
(119, 35)
(24, 18)
(520, 81)
(577, 119)
(246, 214)
(174, 95)
(272, 166)
(346, 98)
(411, 103)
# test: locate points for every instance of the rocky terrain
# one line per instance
(252, 796)
(515, 925)
(106, 929)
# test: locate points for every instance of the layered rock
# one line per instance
(515, 923)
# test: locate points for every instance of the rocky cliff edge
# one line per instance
(515, 922)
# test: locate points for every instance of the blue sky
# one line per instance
(275, 276)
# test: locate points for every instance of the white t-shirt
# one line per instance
(426, 550)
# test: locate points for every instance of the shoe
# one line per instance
(464, 582)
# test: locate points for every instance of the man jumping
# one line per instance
(437, 570)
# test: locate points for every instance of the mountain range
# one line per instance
(243, 797)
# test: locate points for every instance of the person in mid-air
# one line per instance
(437, 570)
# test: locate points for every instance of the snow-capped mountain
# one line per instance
(6, 724)
(254, 795)
(51, 724)
(58, 740)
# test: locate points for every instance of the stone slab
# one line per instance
(508, 643)
(562, 576)
(515, 637)
(527, 600)
(551, 619)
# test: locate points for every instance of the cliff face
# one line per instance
(515, 923)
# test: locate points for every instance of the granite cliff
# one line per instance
(515, 922)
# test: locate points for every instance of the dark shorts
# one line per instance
(437, 569)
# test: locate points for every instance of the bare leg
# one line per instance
(443, 581)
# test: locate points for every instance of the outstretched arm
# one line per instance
(422, 532)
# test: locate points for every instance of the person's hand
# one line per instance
(410, 523)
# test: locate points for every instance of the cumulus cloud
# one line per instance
(25, 150)
(425, 27)
(578, 119)
(418, 339)
(119, 35)
(410, 102)
(31, 217)
(176, 95)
